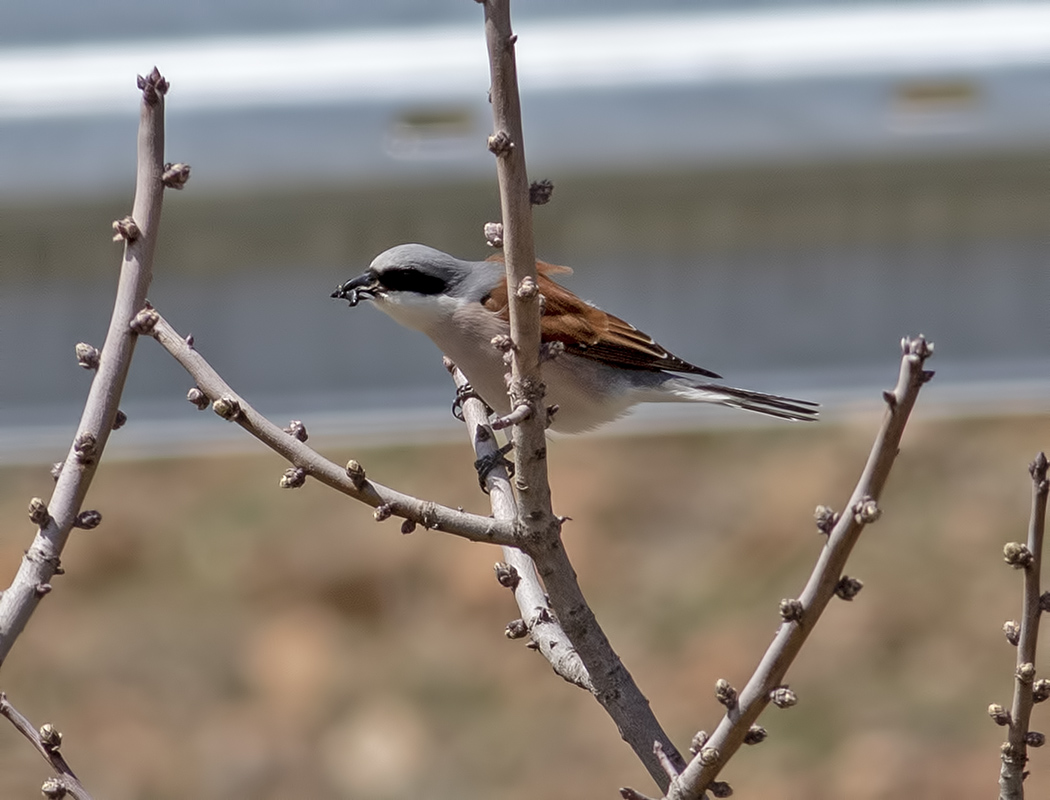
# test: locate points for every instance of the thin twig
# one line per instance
(65, 779)
(819, 590)
(41, 560)
(1014, 751)
(430, 515)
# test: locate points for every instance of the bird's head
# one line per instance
(419, 286)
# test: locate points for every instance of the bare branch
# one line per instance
(288, 444)
(536, 614)
(526, 389)
(1014, 751)
(47, 741)
(539, 529)
(41, 560)
(766, 685)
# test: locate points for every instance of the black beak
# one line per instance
(363, 287)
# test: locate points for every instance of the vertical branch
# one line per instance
(507, 143)
(540, 530)
(58, 517)
(1026, 692)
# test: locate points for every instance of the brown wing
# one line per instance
(590, 332)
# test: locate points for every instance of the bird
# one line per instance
(595, 366)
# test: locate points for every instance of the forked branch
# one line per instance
(58, 517)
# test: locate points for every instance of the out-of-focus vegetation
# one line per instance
(219, 637)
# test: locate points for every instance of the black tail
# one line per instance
(771, 405)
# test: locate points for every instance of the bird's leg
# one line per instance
(464, 393)
(487, 463)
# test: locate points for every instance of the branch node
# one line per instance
(502, 342)
(551, 350)
(383, 512)
(41, 589)
(145, 321)
(626, 792)
(1012, 755)
(1025, 672)
(826, 518)
(527, 289)
(50, 738)
(408, 526)
(356, 473)
(227, 407)
(783, 697)
(126, 229)
(917, 348)
(890, 398)
(153, 87)
(38, 512)
(196, 396)
(1037, 469)
(540, 192)
(720, 789)
(755, 735)
(297, 430)
(120, 419)
(665, 761)
(85, 447)
(725, 693)
(516, 629)
(847, 588)
(1017, 555)
(56, 469)
(1040, 690)
(791, 609)
(507, 575)
(494, 234)
(293, 478)
(1034, 739)
(552, 410)
(175, 175)
(53, 789)
(500, 144)
(698, 742)
(88, 520)
(1000, 716)
(87, 355)
(1012, 630)
(866, 511)
(709, 756)
(518, 415)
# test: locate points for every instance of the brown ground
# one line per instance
(218, 637)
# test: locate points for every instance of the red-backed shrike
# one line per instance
(606, 367)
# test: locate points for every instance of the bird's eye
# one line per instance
(411, 280)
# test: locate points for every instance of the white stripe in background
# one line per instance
(439, 63)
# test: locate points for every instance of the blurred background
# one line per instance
(777, 191)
